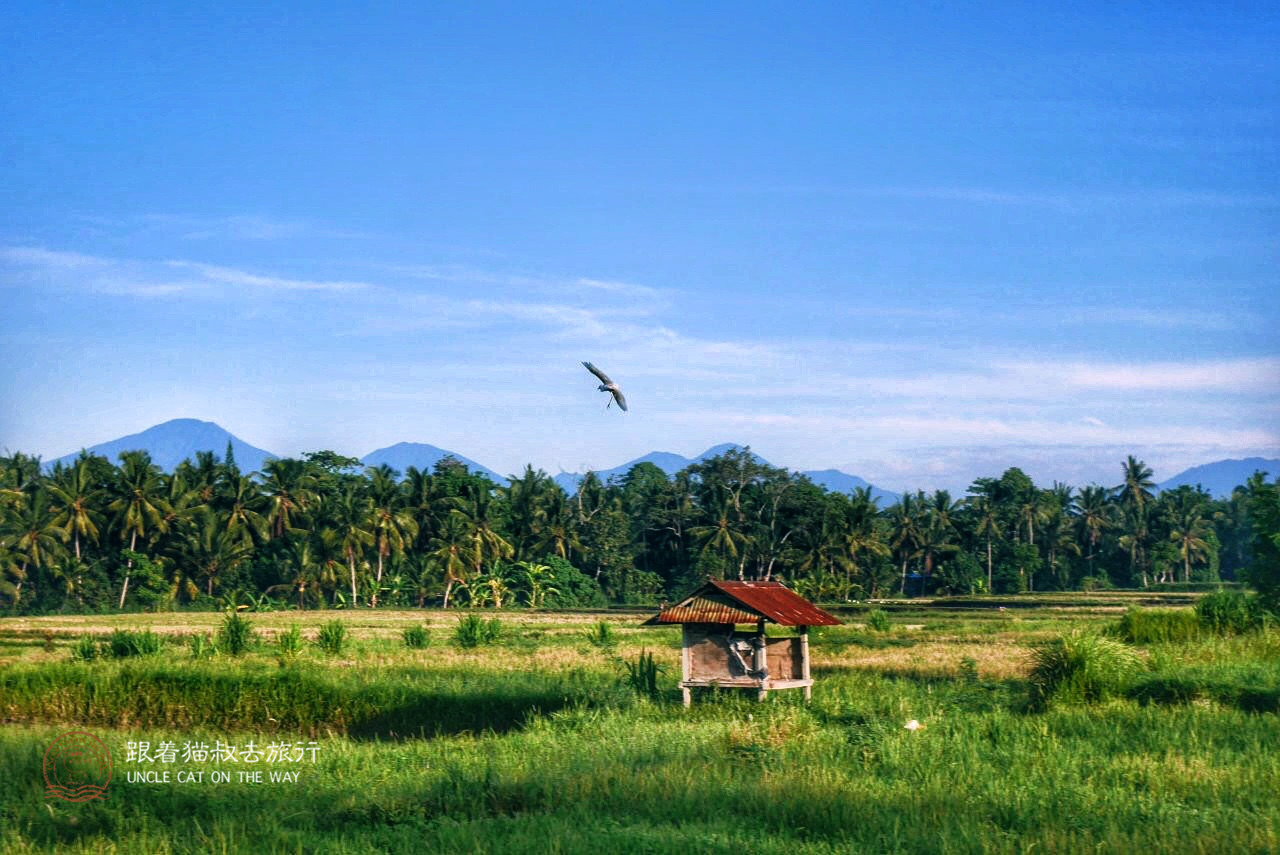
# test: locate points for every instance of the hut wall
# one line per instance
(785, 659)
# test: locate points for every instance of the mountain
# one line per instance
(665, 460)
(402, 455)
(840, 482)
(174, 441)
(1223, 476)
(830, 479)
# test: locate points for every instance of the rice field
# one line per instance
(537, 741)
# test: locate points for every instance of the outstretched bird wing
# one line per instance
(617, 396)
(604, 378)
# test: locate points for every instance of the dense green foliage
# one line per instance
(316, 532)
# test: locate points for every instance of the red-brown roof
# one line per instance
(745, 602)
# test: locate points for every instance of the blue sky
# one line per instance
(914, 244)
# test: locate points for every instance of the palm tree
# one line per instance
(721, 535)
(905, 525)
(245, 505)
(1095, 516)
(451, 551)
(352, 518)
(486, 542)
(526, 498)
(139, 505)
(558, 535)
(1135, 497)
(37, 538)
(428, 497)
(75, 502)
(1191, 532)
(986, 524)
(206, 547)
(392, 524)
(289, 490)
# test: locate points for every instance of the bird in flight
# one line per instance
(607, 385)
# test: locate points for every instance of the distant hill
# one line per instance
(402, 455)
(841, 482)
(1222, 477)
(177, 440)
(830, 479)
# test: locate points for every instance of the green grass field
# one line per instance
(537, 742)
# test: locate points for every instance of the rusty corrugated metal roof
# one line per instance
(702, 610)
(745, 602)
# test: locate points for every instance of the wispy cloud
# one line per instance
(232, 276)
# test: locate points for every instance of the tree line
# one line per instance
(316, 531)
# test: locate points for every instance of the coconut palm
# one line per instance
(36, 537)
(245, 510)
(1135, 497)
(1191, 532)
(139, 505)
(481, 519)
(391, 524)
(527, 499)
(1096, 515)
(905, 524)
(76, 498)
(351, 517)
(451, 552)
(205, 549)
(986, 524)
(289, 490)
(721, 535)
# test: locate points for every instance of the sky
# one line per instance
(917, 244)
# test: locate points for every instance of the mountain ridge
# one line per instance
(175, 440)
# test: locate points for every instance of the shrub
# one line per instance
(289, 644)
(86, 649)
(416, 637)
(236, 634)
(878, 620)
(472, 631)
(1081, 667)
(124, 643)
(642, 675)
(1158, 626)
(333, 637)
(601, 635)
(201, 646)
(1228, 612)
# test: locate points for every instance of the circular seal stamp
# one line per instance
(77, 767)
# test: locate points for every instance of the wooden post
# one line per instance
(685, 667)
(804, 662)
(760, 659)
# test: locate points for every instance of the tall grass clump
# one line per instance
(416, 637)
(643, 673)
(473, 631)
(1158, 626)
(289, 644)
(201, 646)
(1081, 667)
(236, 634)
(1229, 612)
(332, 637)
(878, 620)
(85, 650)
(124, 643)
(601, 635)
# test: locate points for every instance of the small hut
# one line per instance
(716, 653)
